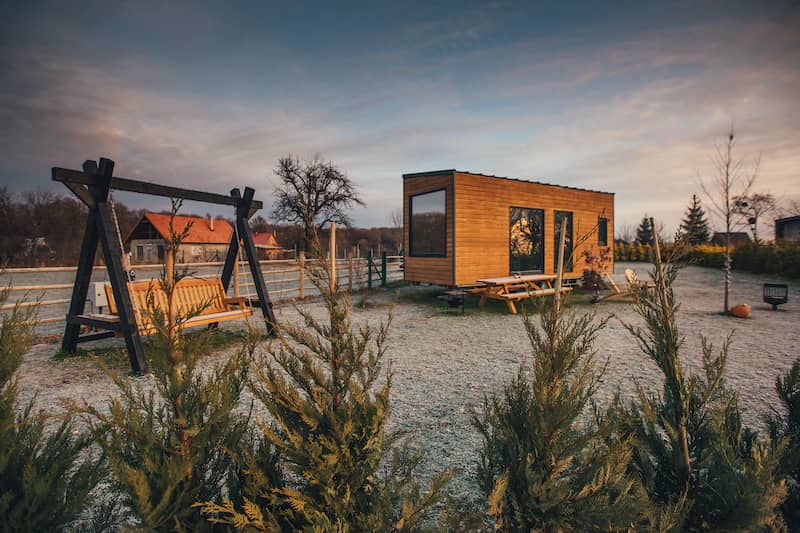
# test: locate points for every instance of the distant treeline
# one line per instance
(45, 228)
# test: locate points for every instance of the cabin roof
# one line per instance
(200, 231)
(784, 220)
(453, 170)
(265, 239)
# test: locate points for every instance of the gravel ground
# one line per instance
(444, 362)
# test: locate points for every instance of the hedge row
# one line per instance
(781, 259)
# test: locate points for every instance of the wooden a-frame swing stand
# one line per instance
(92, 187)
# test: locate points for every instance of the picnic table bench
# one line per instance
(515, 288)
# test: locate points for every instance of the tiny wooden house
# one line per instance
(460, 227)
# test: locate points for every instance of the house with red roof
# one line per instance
(207, 239)
(266, 243)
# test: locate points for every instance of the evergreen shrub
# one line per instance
(694, 455)
(332, 466)
(174, 439)
(548, 462)
(47, 473)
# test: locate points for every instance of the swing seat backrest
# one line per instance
(204, 299)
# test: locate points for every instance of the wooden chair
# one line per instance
(634, 285)
(206, 297)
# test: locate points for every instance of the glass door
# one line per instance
(563, 217)
(526, 242)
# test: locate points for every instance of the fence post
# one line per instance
(302, 275)
(350, 272)
(383, 268)
(332, 265)
(369, 269)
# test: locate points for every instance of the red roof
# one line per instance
(265, 239)
(200, 231)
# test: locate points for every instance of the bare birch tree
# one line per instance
(732, 179)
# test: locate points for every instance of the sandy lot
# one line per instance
(444, 362)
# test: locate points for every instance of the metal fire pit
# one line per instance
(454, 299)
(776, 294)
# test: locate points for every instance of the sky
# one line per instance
(623, 97)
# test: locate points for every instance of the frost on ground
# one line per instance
(443, 363)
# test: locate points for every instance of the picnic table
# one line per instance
(514, 288)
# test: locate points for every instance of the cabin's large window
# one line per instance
(602, 231)
(428, 229)
(563, 217)
(526, 242)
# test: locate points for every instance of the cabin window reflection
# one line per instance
(526, 240)
(602, 231)
(563, 217)
(428, 229)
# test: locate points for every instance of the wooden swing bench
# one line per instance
(205, 297)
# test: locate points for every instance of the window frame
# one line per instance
(411, 197)
(604, 240)
(140, 252)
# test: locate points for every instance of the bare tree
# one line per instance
(733, 179)
(397, 226)
(313, 194)
(751, 207)
(626, 233)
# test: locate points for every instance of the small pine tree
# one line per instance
(694, 227)
(175, 445)
(695, 457)
(45, 478)
(546, 465)
(644, 233)
(321, 384)
(784, 427)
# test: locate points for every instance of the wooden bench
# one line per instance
(522, 295)
(206, 297)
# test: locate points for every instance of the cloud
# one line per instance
(635, 112)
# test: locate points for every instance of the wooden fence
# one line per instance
(286, 279)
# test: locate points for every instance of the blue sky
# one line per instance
(618, 96)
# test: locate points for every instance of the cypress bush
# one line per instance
(550, 463)
(784, 426)
(334, 467)
(46, 474)
(694, 455)
(177, 443)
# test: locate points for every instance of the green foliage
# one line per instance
(546, 465)
(692, 452)
(784, 426)
(780, 258)
(644, 233)
(322, 384)
(45, 481)
(176, 443)
(694, 226)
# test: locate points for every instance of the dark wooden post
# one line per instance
(112, 254)
(100, 228)
(369, 269)
(83, 276)
(242, 216)
(383, 269)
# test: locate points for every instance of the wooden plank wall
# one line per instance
(482, 222)
(438, 270)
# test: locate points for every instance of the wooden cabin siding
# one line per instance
(438, 270)
(482, 226)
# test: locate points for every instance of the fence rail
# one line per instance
(41, 289)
